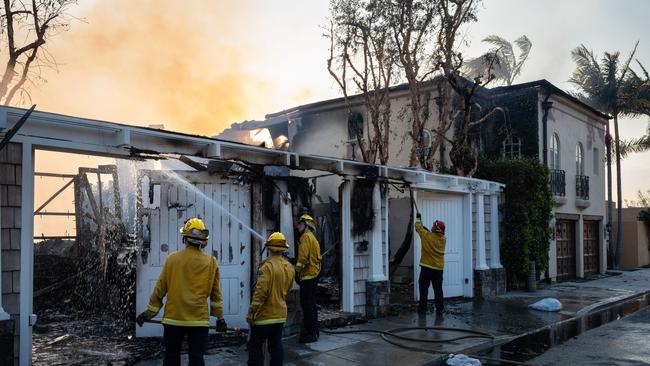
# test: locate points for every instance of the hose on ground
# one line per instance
(386, 335)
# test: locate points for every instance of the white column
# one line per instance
(468, 268)
(416, 244)
(347, 251)
(495, 254)
(481, 263)
(27, 319)
(376, 243)
(286, 218)
(3, 314)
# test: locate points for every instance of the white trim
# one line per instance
(286, 219)
(50, 131)
(347, 248)
(3, 314)
(481, 259)
(495, 250)
(375, 260)
(27, 255)
(416, 244)
(387, 234)
(468, 268)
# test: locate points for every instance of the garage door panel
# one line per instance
(565, 242)
(448, 208)
(229, 241)
(591, 248)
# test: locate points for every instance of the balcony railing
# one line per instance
(558, 182)
(582, 187)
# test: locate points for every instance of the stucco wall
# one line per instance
(574, 125)
(326, 132)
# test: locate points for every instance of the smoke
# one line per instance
(155, 61)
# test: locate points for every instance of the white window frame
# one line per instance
(580, 159)
(511, 148)
(555, 152)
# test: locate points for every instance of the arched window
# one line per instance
(580, 160)
(355, 126)
(555, 152)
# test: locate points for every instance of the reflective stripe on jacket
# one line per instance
(309, 259)
(433, 247)
(188, 278)
(274, 281)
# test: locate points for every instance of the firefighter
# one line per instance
(268, 310)
(432, 263)
(308, 264)
(188, 278)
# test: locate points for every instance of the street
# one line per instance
(624, 342)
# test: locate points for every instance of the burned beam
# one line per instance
(55, 213)
(38, 210)
(55, 175)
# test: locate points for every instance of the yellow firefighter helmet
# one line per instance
(277, 242)
(195, 233)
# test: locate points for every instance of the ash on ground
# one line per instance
(79, 339)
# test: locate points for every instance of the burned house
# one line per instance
(243, 192)
(537, 120)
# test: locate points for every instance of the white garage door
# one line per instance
(448, 208)
(166, 206)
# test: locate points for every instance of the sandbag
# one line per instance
(547, 304)
(462, 360)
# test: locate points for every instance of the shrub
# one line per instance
(525, 225)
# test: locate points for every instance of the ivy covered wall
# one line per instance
(520, 119)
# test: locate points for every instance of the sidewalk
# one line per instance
(506, 317)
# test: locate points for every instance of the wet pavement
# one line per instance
(624, 342)
(506, 317)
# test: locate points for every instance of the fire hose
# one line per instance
(229, 332)
(386, 335)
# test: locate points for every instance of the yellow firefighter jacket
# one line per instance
(274, 281)
(433, 247)
(188, 278)
(308, 262)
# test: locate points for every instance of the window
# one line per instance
(427, 140)
(355, 126)
(597, 160)
(555, 152)
(580, 160)
(511, 148)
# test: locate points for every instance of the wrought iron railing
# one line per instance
(582, 187)
(558, 182)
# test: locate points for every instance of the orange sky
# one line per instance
(195, 66)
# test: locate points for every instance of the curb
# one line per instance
(552, 329)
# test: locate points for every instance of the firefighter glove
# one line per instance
(222, 327)
(250, 318)
(144, 317)
(418, 216)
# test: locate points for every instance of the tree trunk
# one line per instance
(619, 194)
(610, 199)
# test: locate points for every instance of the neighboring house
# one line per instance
(539, 121)
(636, 239)
(569, 136)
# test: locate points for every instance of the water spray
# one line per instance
(175, 176)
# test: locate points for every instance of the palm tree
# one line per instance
(506, 66)
(640, 105)
(606, 85)
(636, 145)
